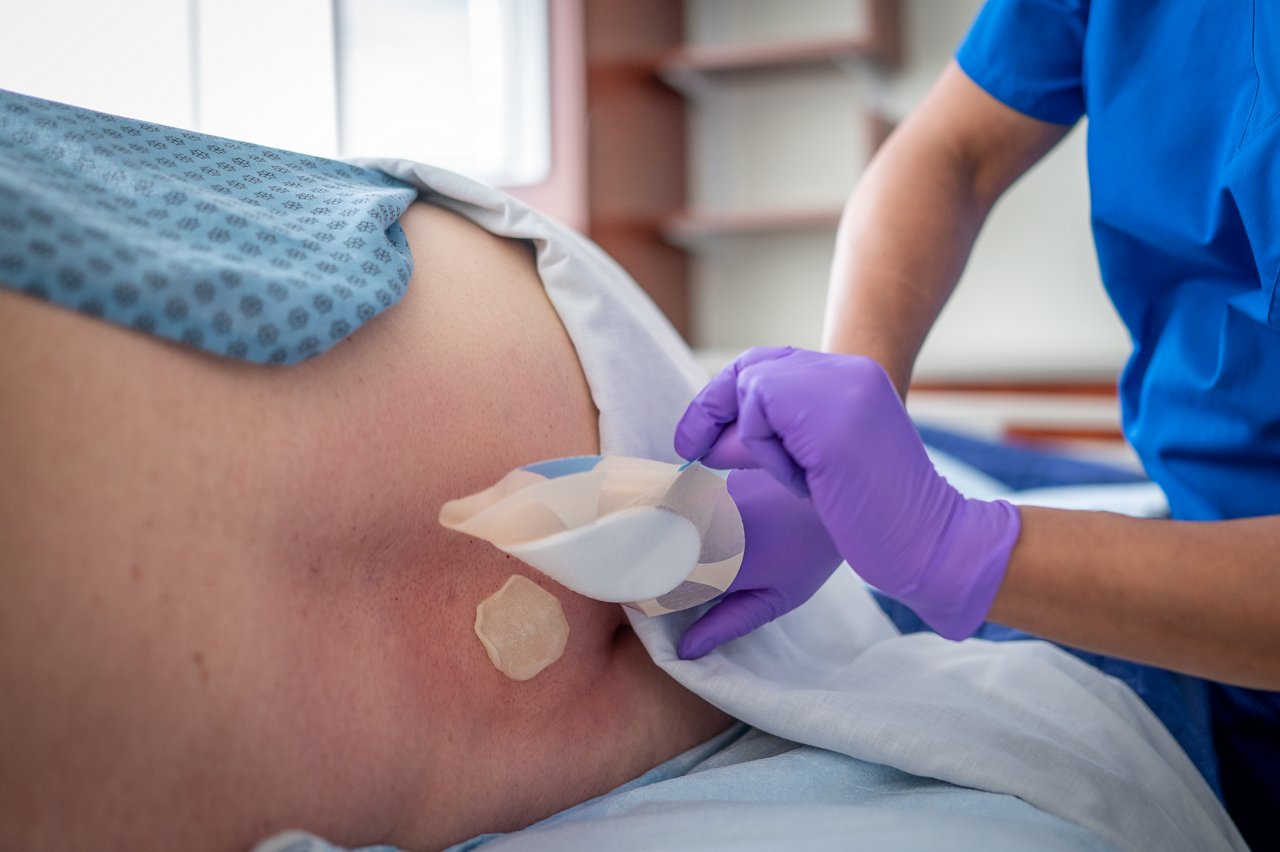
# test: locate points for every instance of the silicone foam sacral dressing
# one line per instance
(522, 628)
(633, 531)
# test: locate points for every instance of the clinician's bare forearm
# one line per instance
(909, 227)
(1200, 598)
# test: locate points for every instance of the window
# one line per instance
(459, 83)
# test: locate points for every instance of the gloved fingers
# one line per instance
(737, 614)
(728, 452)
(760, 436)
(716, 405)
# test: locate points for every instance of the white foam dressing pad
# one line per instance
(643, 533)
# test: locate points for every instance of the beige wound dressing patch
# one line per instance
(522, 627)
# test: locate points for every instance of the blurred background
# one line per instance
(708, 145)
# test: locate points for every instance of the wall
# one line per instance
(1030, 303)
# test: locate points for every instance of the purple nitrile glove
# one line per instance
(833, 427)
(788, 555)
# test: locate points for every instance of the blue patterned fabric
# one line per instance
(236, 249)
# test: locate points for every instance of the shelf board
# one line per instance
(691, 225)
(691, 70)
(726, 58)
(1079, 384)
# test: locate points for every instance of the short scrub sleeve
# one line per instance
(1028, 54)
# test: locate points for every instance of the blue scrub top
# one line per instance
(1183, 100)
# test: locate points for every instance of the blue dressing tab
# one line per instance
(556, 468)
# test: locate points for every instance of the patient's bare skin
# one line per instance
(228, 608)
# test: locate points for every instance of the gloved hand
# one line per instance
(788, 555)
(833, 427)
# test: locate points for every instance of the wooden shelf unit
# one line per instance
(640, 73)
(881, 44)
(688, 227)
(635, 146)
(1076, 413)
